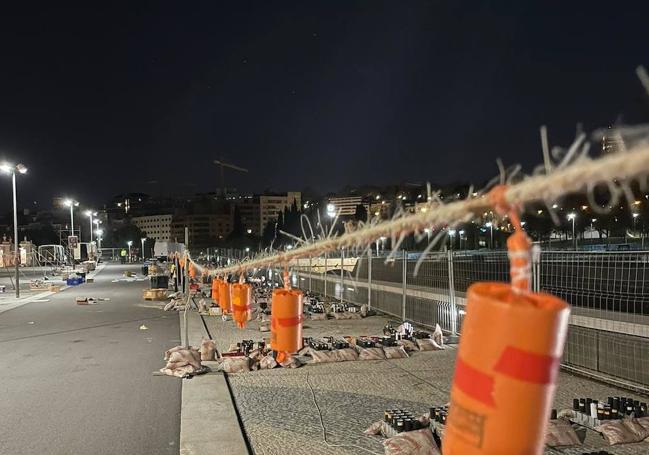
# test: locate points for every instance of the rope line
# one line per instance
(582, 174)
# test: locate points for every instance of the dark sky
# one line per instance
(101, 100)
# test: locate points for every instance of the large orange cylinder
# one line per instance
(286, 321)
(215, 290)
(224, 296)
(192, 270)
(505, 371)
(241, 304)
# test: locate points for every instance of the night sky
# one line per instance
(102, 100)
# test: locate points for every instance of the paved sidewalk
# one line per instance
(208, 419)
(278, 407)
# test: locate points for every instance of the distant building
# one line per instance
(250, 211)
(346, 205)
(203, 229)
(270, 205)
(156, 226)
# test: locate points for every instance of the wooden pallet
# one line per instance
(155, 294)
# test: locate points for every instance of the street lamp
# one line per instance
(129, 243)
(451, 233)
(143, 239)
(491, 226)
(249, 231)
(9, 169)
(428, 231)
(635, 219)
(70, 203)
(99, 237)
(461, 235)
(571, 217)
(90, 214)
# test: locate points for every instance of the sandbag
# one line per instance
(291, 362)
(182, 361)
(418, 442)
(635, 427)
(208, 349)
(344, 355)
(408, 345)
(202, 306)
(644, 422)
(188, 356)
(364, 310)
(374, 429)
(338, 355)
(318, 316)
(395, 352)
(438, 336)
(267, 363)
(235, 365)
(616, 432)
(560, 433)
(428, 344)
(370, 354)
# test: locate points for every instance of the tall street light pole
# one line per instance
(490, 225)
(21, 168)
(572, 216)
(90, 214)
(72, 204)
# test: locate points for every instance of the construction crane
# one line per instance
(223, 165)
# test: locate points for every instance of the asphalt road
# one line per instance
(78, 379)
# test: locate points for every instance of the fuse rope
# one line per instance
(583, 174)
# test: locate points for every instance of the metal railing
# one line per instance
(608, 293)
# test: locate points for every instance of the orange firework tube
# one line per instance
(241, 304)
(508, 360)
(192, 270)
(286, 321)
(224, 296)
(215, 290)
(505, 371)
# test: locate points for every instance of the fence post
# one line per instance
(369, 279)
(310, 272)
(325, 278)
(403, 284)
(536, 268)
(451, 295)
(342, 273)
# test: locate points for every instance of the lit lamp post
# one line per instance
(99, 238)
(461, 235)
(90, 214)
(10, 169)
(143, 239)
(428, 231)
(129, 243)
(451, 235)
(571, 217)
(490, 225)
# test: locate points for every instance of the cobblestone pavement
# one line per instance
(278, 407)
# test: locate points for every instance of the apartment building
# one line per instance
(156, 226)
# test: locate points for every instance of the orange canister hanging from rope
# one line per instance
(224, 296)
(241, 293)
(507, 362)
(286, 321)
(192, 270)
(215, 290)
